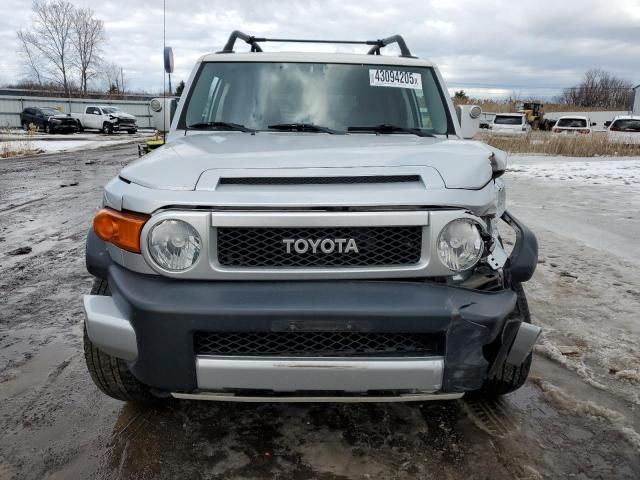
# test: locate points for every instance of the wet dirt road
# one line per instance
(577, 417)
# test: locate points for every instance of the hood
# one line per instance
(192, 162)
(61, 116)
(122, 115)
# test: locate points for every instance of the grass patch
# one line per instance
(546, 143)
(13, 145)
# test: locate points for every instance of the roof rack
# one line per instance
(376, 45)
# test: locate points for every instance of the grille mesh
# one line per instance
(321, 344)
(319, 180)
(264, 247)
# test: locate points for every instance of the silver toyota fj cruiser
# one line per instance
(317, 228)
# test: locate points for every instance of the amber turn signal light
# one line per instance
(120, 228)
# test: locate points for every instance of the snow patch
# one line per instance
(599, 171)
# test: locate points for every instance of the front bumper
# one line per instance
(125, 126)
(151, 321)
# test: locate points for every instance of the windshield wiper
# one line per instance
(220, 126)
(302, 127)
(387, 128)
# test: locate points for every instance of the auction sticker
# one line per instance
(394, 78)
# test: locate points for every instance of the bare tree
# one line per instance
(50, 37)
(113, 78)
(599, 89)
(87, 37)
(32, 60)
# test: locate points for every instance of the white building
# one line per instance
(636, 99)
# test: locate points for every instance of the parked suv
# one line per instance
(316, 228)
(49, 120)
(510, 124)
(573, 124)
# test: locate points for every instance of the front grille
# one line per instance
(126, 121)
(319, 344)
(267, 247)
(319, 180)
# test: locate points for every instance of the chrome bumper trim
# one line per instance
(319, 374)
(230, 397)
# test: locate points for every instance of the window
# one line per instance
(572, 123)
(626, 125)
(508, 120)
(337, 96)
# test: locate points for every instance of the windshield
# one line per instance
(50, 111)
(334, 96)
(111, 109)
(572, 122)
(507, 120)
(628, 125)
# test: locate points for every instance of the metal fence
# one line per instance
(12, 105)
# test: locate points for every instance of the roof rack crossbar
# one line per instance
(404, 50)
(250, 39)
(376, 45)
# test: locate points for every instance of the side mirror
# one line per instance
(607, 123)
(593, 124)
(469, 118)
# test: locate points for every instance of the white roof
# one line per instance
(315, 57)
(577, 117)
(510, 114)
(626, 117)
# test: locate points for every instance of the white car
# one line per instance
(106, 118)
(573, 124)
(510, 124)
(625, 129)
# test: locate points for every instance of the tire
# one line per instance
(25, 126)
(131, 132)
(107, 128)
(80, 127)
(48, 129)
(511, 378)
(110, 374)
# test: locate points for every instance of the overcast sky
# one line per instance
(486, 47)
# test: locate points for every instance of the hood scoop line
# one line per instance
(340, 180)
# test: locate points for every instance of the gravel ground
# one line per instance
(577, 417)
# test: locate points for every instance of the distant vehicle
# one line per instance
(625, 129)
(48, 119)
(573, 124)
(510, 124)
(107, 119)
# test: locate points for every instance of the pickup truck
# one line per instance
(318, 227)
(106, 118)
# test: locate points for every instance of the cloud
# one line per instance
(527, 48)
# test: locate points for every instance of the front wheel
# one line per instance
(48, 128)
(110, 374)
(107, 128)
(511, 377)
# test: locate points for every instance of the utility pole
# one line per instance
(122, 80)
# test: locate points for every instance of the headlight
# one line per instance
(174, 245)
(460, 245)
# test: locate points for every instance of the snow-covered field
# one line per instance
(592, 171)
(18, 141)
